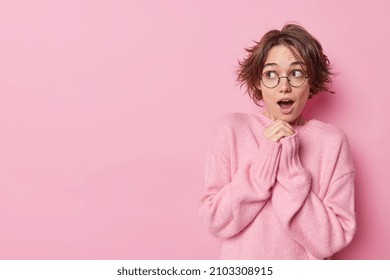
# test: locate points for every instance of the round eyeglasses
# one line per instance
(296, 78)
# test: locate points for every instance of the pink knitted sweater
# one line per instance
(288, 200)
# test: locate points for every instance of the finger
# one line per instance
(274, 127)
(279, 123)
(288, 127)
(275, 137)
(277, 126)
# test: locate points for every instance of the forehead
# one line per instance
(281, 55)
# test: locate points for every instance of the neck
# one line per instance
(298, 121)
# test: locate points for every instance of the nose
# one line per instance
(284, 85)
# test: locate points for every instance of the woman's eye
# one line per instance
(296, 73)
(270, 75)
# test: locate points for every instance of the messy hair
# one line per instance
(302, 44)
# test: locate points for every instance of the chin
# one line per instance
(289, 119)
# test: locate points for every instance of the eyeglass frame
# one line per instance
(288, 80)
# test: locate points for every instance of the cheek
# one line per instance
(302, 102)
(268, 97)
(304, 95)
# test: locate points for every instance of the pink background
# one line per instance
(107, 109)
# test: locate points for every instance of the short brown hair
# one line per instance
(302, 44)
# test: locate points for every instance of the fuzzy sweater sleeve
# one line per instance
(322, 225)
(233, 198)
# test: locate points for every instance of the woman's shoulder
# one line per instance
(228, 129)
(325, 131)
(332, 140)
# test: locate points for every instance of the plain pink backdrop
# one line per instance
(107, 108)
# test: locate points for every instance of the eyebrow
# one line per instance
(292, 64)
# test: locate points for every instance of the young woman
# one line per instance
(279, 186)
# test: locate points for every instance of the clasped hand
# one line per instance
(278, 130)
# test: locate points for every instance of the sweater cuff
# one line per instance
(268, 160)
(291, 172)
(290, 153)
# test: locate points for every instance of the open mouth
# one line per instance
(285, 103)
